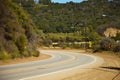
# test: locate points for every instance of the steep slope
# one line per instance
(17, 32)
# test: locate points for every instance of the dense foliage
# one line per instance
(72, 17)
(17, 31)
(84, 20)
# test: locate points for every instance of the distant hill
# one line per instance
(90, 20)
(72, 17)
(17, 31)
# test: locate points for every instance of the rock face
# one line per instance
(111, 32)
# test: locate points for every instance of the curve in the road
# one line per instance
(59, 62)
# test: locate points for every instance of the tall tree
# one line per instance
(46, 2)
(25, 3)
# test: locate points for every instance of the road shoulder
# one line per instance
(59, 75)
(23, 60)
(109, 70)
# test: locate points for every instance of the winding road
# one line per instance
(59, 62)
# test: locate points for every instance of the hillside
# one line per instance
(78, 22)
(66, 24)
(71, 17)
(17, 32)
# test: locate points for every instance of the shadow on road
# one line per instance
(112, 68)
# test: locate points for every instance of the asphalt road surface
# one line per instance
(59, 61)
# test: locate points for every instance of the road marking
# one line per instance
(42, 66)
(63, 69)
(74, 57)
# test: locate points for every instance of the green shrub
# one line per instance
(35, 54)
(15, 55)
(10, 47)
(21, 43)
(107, 44)
(117, 48)
(1, 47)
(76, 46)
(96, 48)
(26, 54)
(4, 56)
(64, 46)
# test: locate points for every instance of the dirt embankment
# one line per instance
(111, 32)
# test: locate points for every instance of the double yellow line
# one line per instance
(42, 66)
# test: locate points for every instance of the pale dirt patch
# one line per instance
(23, 60)
(111, 32)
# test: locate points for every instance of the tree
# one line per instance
(98, 0)
(46, 2)
(21, 43)
(107, 44)
(25, 3)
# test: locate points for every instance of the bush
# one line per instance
(107, 44)
(117, 48)
(15, 55)
(4, 56)
(21, 43)
(32, 50)
(76, 46)
(64, 46)
(35, 54)
(96, 48)
(1, 47)
(10, 47)
(26, 54)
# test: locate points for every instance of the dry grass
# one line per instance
(22, 60)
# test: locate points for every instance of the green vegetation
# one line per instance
(86, 21)
(73, 25)
(68, 23)
(45, 2)
(72, 17)
(17, 32)
(21, 43)
(107, 44)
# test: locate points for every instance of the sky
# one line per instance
(64, 1)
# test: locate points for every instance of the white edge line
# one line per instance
(52, 56)
(63, 69)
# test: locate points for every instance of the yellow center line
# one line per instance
(42, 66)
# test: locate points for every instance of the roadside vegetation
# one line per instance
(17, 32)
